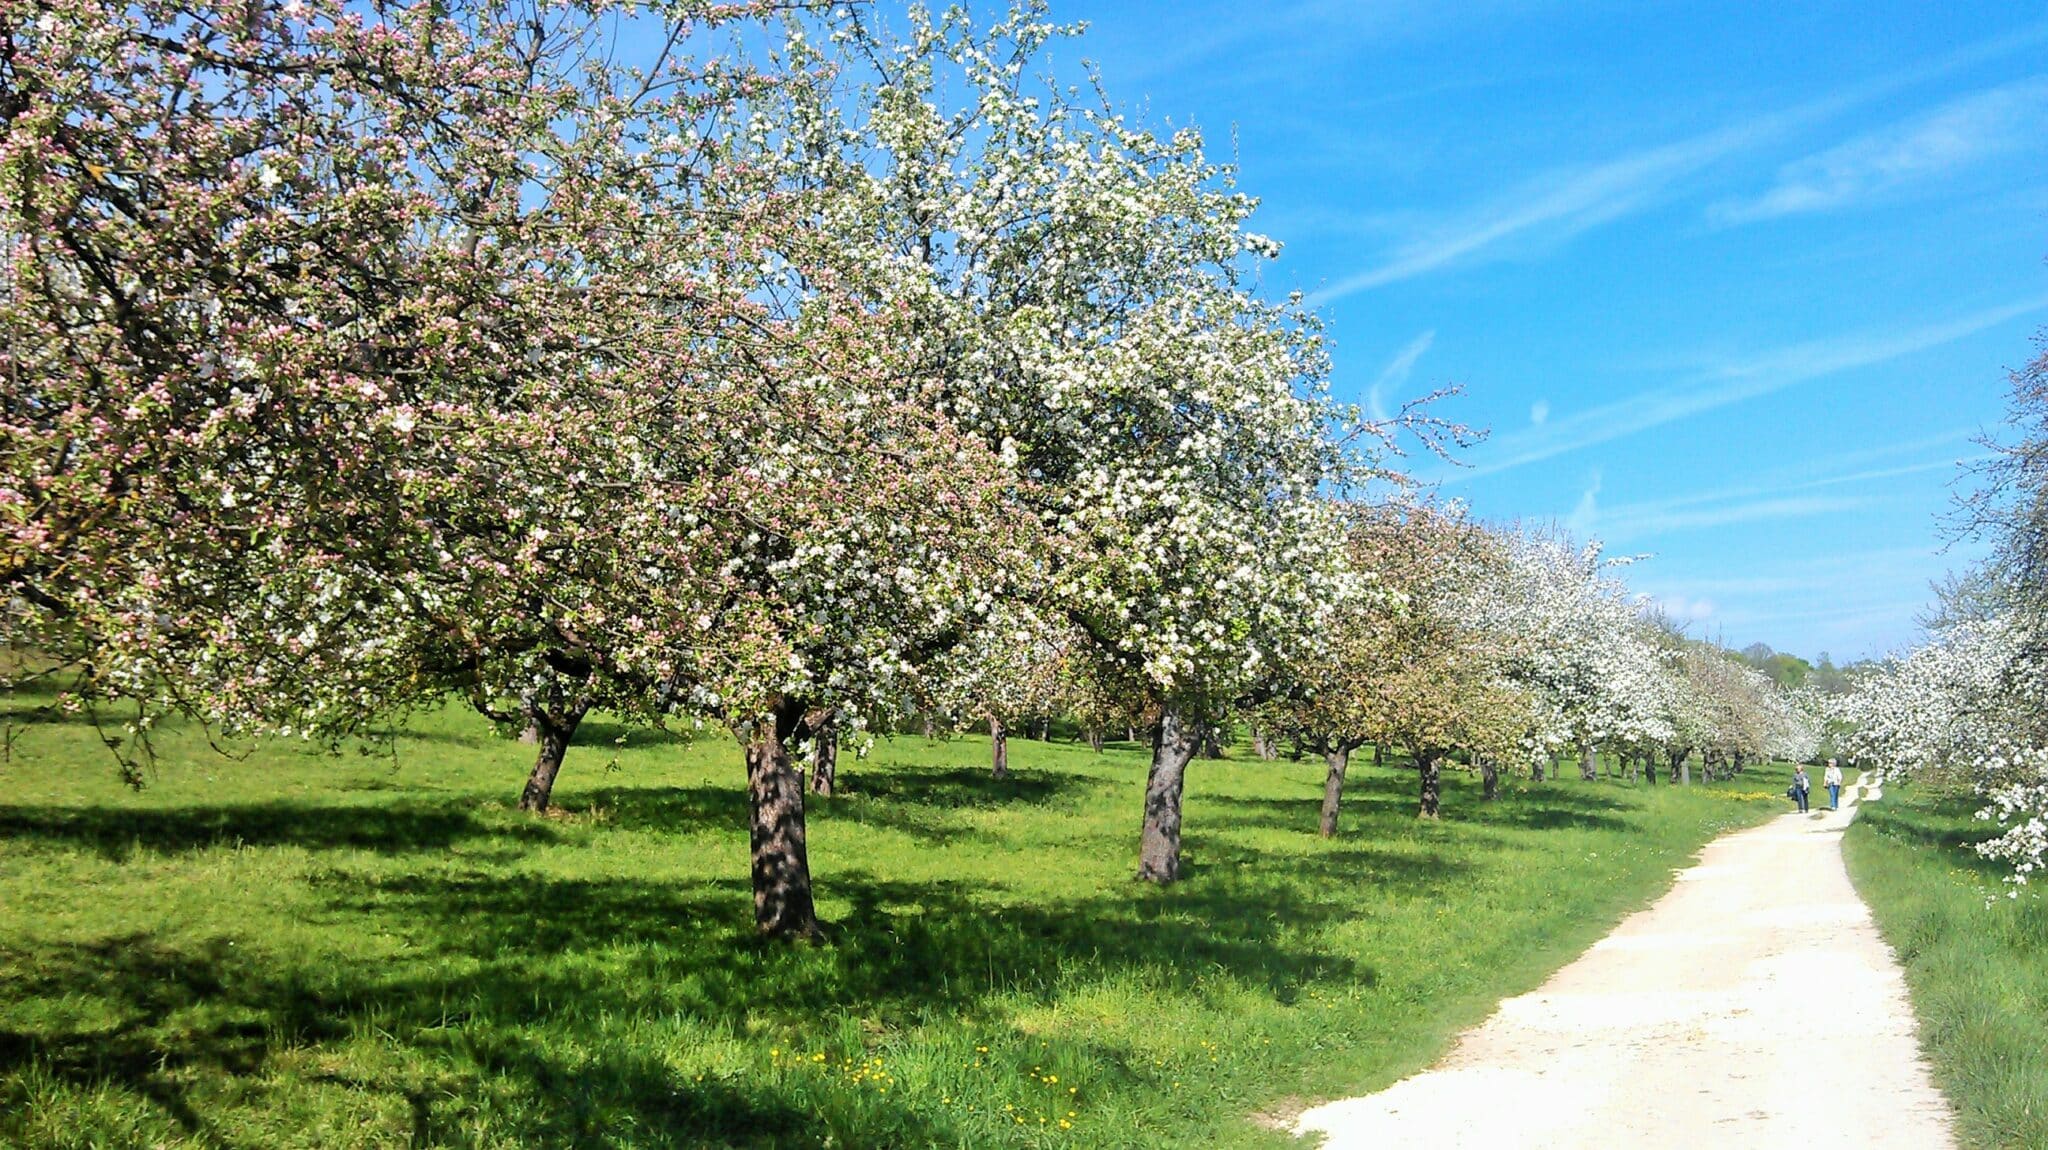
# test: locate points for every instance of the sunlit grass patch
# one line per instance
(1975, 952)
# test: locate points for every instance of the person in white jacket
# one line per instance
(1832, 780)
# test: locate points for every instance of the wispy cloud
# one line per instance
(1565, 202)
(1730, 383)
(1396, 373)
(1752, 504)
(1266, 38)
(1962, 132)
(1621, 524)
(1680, 609)
(1562, 203)
(1583, 517)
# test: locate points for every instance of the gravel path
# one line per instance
(1753, 1006)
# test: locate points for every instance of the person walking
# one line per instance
(1832, 780)
(1801, 785)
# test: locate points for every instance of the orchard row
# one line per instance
(769, 365)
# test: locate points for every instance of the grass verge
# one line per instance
(296, 949)
(1976, 960)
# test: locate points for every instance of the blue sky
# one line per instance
(1730, 287)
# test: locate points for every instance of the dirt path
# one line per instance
(1753, 1006)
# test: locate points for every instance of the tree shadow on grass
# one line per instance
(964, 788)
(1553, 808)
(195, 1015)
(922, 802)
(1947, 822)
(513, 992)
(673, 810)
(1380, 799)
(603, 733)
(504, 1009)
(387, 828)
(181, 1014)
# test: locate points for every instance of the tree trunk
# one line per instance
(998, 748)
(1095, 739)
(529, 734)
(1589, 768)
(825, 759)
(1045, 730)
(782, 864)
(929, 731)
(1490, 775)
(1339, 759)
(1556, 765)
(1212, 746)
(1379, 754)
(1262, 745)
(1650, 767)
(1173, 744)
(1430, 765)
(552, 730)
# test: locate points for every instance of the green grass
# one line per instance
(1976, 960)
(294, 949)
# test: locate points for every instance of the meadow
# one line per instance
(283, 947)
(1975, 952)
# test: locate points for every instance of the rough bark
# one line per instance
(1212, 745)
(1589, 766)
(782, 864)
(552, 732)
(1490, 776)
(1339, 759)
(1095, 739)
(1429, 764)
(825, 759)
(1379, 754)
(1174, 742)
(998, 748)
